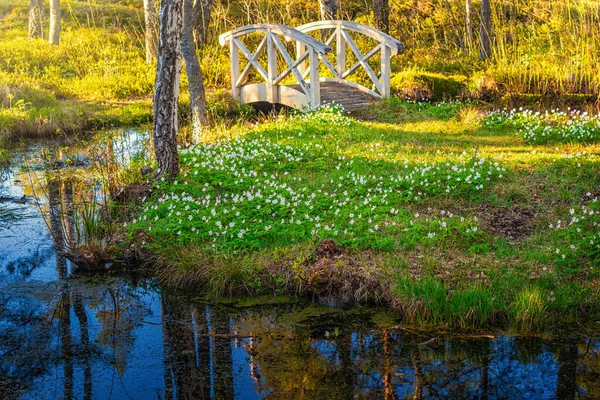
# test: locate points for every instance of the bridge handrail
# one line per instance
(396, 46)
(288, 32)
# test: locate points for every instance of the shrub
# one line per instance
(418, 85)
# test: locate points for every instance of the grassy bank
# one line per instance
(544, 52)
(445, 213)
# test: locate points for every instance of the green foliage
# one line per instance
(290, 182)
(549, 126)
(427, 86)
(528, 309)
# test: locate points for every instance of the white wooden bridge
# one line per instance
(297, 72)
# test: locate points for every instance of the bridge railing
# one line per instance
(272, 44)
(339, 32)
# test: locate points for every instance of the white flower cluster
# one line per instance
(551, 126)
(247, 192)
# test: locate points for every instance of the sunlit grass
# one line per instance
(453, 255)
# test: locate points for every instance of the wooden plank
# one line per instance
(291, 66)
(359, 56)
(248, 55)
(395, 46)
(286, 31)
(252, 62)
(235, 69)
(271, 68)
(350, 98)
(315, 84)
(362, 59)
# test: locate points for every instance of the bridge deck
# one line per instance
(350, 98)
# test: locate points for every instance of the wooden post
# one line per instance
(271, 69)
(315, 84)
(341, 53)
(385, 71)
(300, 49)
(235, 69)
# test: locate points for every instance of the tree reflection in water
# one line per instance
(73, 338)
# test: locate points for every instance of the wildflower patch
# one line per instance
(287, 187)
(551, 126)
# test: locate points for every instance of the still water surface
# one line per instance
(63, 336)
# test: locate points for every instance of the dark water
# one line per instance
(116, 338)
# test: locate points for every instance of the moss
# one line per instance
(419, 85)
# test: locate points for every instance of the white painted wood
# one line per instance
(385, 72)
(286, 31)
(271, 69)
(252, 62)
(315, 84)
(257, 92)
(248, 55)
(340, 47)
(363, 58)
(292, 65)
(309, 54)
(359, 56)
(301, 49)
(396, 47)
(235, 69)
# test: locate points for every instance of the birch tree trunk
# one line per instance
(329, 9)
(194, 73)
(381, 15)
(485, 30)
(36, 10)
(54, 36)
(151, 23)
(201, 20)
(167, 87)
(468, 24)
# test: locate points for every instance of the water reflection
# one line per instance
(116, 338)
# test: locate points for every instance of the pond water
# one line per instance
(64, 336)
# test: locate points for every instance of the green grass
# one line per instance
(452, 222)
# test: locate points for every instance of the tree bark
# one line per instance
(329, 9)
(485, 30)
(194, 73)
(381, 15)
(201, 20)
(468, 23)
(36, 10)
(54, 36)
(167, 87)
(151, 22)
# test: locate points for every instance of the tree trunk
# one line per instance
(201, 20)
(329, 9)
(468, 23)
(167, 87)
(54, 36)
(151, 22)
(485, 30)
(381, 15)
(194, 73)
(36, 10)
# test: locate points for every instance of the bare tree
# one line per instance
(329, 9)
(36, 10)
(485, 30)
(201, 20)
(192, 67)
(381, 15)
(151, 22)
(54, 36)
(167, 87)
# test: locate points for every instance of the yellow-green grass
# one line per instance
(473, 256)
